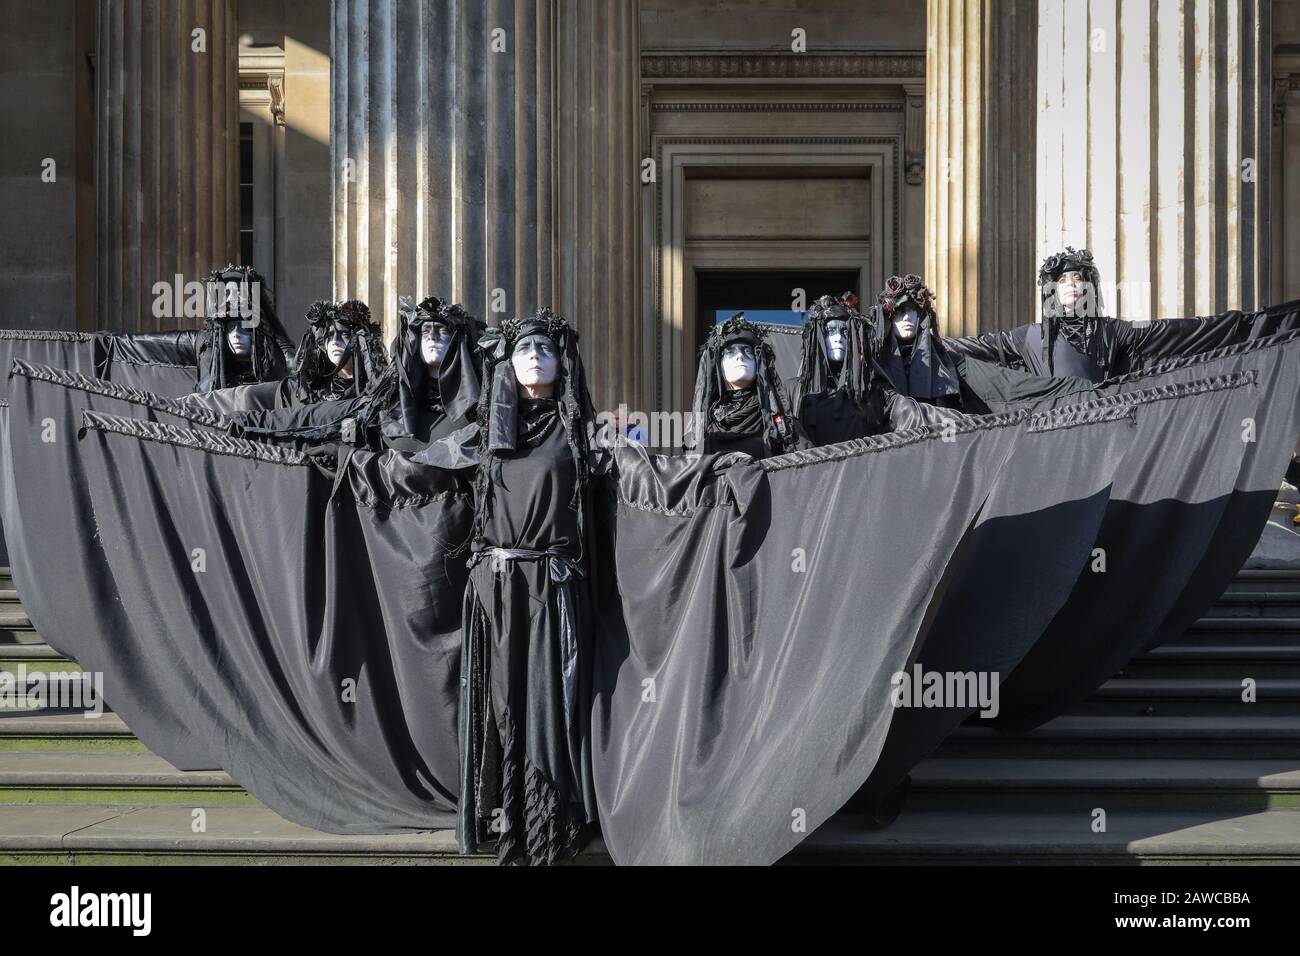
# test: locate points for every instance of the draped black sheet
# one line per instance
(744, 663)
(166, 368)
(166, 364)
(736, 696)
(318, 649)
(81, 351)
(67, 586)
(734, 707)
(1186, 510)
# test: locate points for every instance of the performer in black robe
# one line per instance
(525, 722)
(243, 342)
(907, 348)
(833, 398)
(738, 403)
(435, 374)
(1075, 338)
(338, 385)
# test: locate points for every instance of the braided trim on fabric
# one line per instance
(213, 442)
(1077, 417)
(37, 335)
(130, 361)
(1069, 416)
(877, 443)
(771, 327)
(125, 393)
(410, 501)
(684, 511)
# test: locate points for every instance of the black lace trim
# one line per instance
(539, 827)
(135, 396)
(214, 442)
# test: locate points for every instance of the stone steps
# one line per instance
(1186, 772)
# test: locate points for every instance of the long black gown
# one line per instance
(526, 775)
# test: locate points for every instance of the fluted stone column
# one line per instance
(167, 137)
(979, 149)
(487, 152)
(1153, 149)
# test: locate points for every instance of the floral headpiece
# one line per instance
(900, 289)
(1071, 260)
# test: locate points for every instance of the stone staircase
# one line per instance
(1183, 769)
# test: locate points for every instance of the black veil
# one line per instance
(776, 431)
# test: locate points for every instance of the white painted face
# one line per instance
(1069, 289)
(739, 366)
(239, 339)
(336, 347)
(906, 323)
(536, 361)
(837, 339)
(435, 339)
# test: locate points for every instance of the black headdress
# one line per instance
(272, 351)
(763, 412)
(816, 373)
(504, 420)
(1081, 331)
(456, 391)
(314, 376)
(931, 375)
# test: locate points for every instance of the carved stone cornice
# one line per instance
(1286, 80)
(261, 79)
(874, 65)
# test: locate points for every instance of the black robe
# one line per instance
(525, 722)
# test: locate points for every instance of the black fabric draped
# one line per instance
(770, 663)
(165, 363)
(1112, 347)
(302, 613)
(300, 619)
(426, 411)
(67, 586)
(735, 423)
(1186, 511)
(921, 369)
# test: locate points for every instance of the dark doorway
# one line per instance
(758, 291)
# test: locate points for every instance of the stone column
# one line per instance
(979, 154)
(1284, 193)
(167, 138)
(1153, 149)
(487, 152)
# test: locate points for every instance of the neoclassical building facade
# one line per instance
(641, 165)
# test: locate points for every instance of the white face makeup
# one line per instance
(905, 323)
(536, 364)
(239, 339)
(739, 365)
(1069, 289)
(435, 339)
(336, 346)
(837, 339)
